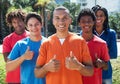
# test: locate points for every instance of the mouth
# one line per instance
(61, 26)
(98, 21)
(86, 27)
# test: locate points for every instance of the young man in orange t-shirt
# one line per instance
(64, 57)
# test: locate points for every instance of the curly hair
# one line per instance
(88, 12)
(15, 14)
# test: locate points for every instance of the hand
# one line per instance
(71, 62)
(28, 54)
(98, 62)
(53, 65)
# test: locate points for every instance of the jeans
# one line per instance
(107, 81)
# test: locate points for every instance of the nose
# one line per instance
(61, 20)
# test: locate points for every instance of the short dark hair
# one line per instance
(18, 13)
(33, 14)
(61, 8)
(86, 12)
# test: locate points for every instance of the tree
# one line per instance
(41, 4)
(3, 26)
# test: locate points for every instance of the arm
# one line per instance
(52, 66)
(112, 45)
(6, 48)
(13, 64)
(101, 64)
(5, 55)
(85, 69)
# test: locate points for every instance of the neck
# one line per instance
(62, 35)
(20, 32)
(87, 36)
(35, 38)
(99, 29)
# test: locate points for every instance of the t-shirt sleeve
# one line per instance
(6, 45)
(41, 60)
(15, 53)
(105, 54)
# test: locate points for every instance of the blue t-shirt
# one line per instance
(28, 66)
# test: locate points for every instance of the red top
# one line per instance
(96, 46)
(8, 43)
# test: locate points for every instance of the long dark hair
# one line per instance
(106, 22)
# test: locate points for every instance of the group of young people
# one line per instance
(64, 57)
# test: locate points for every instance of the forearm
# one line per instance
(105, 65)
(5, 55)
(13, 64)
(86, 70)
(40, 72)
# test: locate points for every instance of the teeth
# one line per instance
(98, 20)
(61, 26)
(86, 27)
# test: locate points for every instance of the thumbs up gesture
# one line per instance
(98, 62)
(71, 62)
(53, 65)
(28, 54)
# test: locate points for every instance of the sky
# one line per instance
(110, 5)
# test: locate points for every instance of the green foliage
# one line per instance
(74, 10)
(114, 20)
(116, 70)
(2, 70)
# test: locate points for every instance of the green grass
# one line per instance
(115, 65)
(2, 70)
(116, 70)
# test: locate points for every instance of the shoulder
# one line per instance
(75, 37)
(111, 31)
(9, 37)
(23, 41)
(99, 40)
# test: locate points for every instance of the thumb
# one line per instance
(96, 57)
(54, 57)
(28, 48)
(71, 54)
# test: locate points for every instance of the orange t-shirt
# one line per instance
(52, 47)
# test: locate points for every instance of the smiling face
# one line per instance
(34, 26)
(18, 25)
(61, 20)
(86, 23)
(100, 18)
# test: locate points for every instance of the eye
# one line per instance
(57, 18)
(29, 25)
(37, 24)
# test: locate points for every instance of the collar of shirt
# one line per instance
(99, 34)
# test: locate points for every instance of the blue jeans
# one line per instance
(107, 81)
